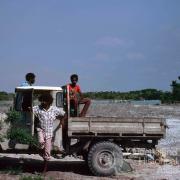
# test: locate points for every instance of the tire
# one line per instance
(105, 159)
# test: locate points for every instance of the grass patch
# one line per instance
(17, 132)
(22, 136)
(2, 138)
(31, 178)
(13, 116)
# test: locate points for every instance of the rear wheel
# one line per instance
(105, 159)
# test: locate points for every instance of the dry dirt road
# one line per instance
(70, 168)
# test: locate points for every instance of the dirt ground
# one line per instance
(71, 168)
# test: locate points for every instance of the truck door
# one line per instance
(23, 104)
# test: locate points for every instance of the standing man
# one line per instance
(47, 114)
(30, 79)
(76, 95)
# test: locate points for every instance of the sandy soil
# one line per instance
(71, 168)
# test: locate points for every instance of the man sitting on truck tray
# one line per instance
(30, 79)
(76, 95)
(46, 114)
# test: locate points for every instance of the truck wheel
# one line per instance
(105, 159)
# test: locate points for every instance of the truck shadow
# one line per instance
(36, 166)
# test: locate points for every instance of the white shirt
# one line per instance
(46, 118)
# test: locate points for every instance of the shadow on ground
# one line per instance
(36, 166)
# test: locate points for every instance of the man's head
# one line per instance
(30, 78)
(74, 79)
(46, 100)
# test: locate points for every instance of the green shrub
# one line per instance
(22, 136)
(17, 132)
(1, 125)
(2, 137)
(13, 116)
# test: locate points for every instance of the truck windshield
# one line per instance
(26, 99)
(59, 99)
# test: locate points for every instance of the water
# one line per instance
(146, 102)
(134, 102)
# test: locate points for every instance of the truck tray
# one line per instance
(116, 127)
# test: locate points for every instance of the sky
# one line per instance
(113, 45)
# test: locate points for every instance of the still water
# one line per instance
(134, 102)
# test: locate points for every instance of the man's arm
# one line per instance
(63, 119)
(61, 115)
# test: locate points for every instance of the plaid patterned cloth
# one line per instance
(46, 118)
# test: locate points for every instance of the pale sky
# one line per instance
(117, 45)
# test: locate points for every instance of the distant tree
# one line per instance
(175, 90)
(6, 96)
(146, 94)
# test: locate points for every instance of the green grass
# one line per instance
(22, 136)
(2, 138)
(31, 178)
(13, 116)
(17, 132)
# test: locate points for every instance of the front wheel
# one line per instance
(105, 159)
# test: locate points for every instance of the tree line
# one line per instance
(145, 94)
(4, 96)
(176, 90)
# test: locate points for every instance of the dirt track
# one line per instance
(76, 169)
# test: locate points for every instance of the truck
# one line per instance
(100, 141)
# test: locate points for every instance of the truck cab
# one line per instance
(26, 97)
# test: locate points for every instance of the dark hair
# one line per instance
(30, 76)
(74, 76)
(46, 97)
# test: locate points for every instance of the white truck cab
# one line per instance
(27, 96)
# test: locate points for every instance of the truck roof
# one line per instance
(51, 88)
